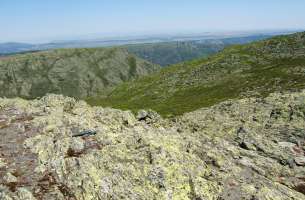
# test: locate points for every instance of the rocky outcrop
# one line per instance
(246, 149)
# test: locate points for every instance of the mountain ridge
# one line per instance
(169, 53)
(78, 73)
(19, 47)
(259, 68)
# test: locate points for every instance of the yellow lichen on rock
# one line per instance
(192, 157)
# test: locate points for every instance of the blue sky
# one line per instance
(42, 20)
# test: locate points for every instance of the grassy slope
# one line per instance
(259, 68)
(74, 72)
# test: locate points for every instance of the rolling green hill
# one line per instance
(168, 53)
(78, 73)
(255, 69)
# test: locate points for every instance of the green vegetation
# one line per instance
(168, 53)
(78, 73)
(256, 69)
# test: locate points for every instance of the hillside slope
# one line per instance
(73, 72)
(246, 149)
(169, 53)
(258, 69)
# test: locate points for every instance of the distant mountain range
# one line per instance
(168, 53)
(14, 47)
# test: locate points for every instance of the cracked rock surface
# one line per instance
(242, 149)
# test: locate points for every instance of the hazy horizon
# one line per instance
(149, 36)
(44, 21)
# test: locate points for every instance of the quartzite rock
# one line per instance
(300, 161)
(195, 156)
